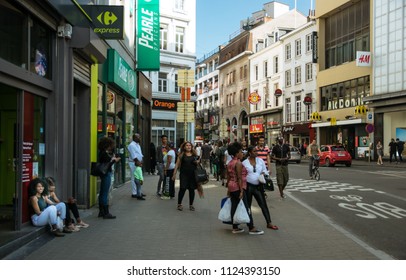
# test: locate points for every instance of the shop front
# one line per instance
(164, 121)
(116, 115)
(297, 134)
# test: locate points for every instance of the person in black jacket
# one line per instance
(400, 146)
(106, 155)
(392, 150)
(152, 158)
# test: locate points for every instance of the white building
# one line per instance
(267, 72)
(178, 52)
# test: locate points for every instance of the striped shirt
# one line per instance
(263, 154)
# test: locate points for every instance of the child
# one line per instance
(139, 179)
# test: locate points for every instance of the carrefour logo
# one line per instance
(107, 18)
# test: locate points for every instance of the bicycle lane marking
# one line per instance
(358, 209)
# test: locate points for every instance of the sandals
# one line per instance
(180, 207)
(192, 208)
(82, 224)
(271, 226)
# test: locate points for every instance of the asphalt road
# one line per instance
(366, 202)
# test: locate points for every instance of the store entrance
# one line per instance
(8, 157)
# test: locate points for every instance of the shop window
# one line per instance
(40, 50)
(13, 31)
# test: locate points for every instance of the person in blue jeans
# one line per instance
(139, 179)
(106, 147)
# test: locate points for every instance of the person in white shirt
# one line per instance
(135, 154)
(169, 166)
(255, 167)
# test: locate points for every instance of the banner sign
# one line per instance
(314, 47)
(363, 59)
(120, 73)
(108, 21)
(148, 35)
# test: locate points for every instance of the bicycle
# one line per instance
(315, 168)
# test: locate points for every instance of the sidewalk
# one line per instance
(153, 229)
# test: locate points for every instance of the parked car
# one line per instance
(333, 154)
(295, 154)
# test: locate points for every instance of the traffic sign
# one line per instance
(186, 78)
(186, 110)
(185, 117)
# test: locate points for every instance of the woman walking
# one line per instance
(379, 151)
(186, 164)
(106, 155)
(237, 186)
(256, 167)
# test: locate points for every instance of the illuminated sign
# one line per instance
(164, 104)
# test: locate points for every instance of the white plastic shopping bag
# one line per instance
(241, 215)
(225, 211)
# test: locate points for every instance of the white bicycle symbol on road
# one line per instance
(347, 198)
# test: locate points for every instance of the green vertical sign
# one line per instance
(148, 35)
(120, 73)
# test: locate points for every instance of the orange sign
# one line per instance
(256, 128)
(185, 94)
(254, 98)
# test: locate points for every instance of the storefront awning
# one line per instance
(345, 122)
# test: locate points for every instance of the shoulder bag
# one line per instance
(201, 175)
(100, 168)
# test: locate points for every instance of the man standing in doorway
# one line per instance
(135, 155)
(281, 155)
(161, 151)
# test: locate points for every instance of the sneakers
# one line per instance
(140, 198)
(82, 225)
(73, 228)
(238, 230)
(164, 197)
(256, 232)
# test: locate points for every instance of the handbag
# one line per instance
(241, 214)
(269, 184)
(100, 168)
(201, 175)
(225, 211)
(261, 179)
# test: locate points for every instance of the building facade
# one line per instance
(177, 52)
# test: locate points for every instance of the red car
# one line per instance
(332, 154)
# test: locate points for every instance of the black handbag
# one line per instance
(100, 168)
(201, 175)
(269, 184)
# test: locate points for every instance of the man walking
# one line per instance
(135, 155)
(263, 152)
(281, 155)
(392, 150)
(206, 150)
(161, 151)
(312, 150)
(400, 146)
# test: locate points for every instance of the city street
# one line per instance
(351, 213)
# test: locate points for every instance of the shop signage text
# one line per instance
(120, 73)
(256, 128)
(288, 128)
(343, 103)
(108, 20)
(162, 104)
(148, 35)
(363, 59)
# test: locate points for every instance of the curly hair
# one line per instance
(32, 187)
(234, 148)
(106, 143)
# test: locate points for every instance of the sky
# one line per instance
(218, 19)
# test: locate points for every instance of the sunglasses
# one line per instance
(255, 169)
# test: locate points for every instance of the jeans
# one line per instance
(161, 180)
(61, 209)
(257, 191)
(48, 216)
(169, 174)
(104, 189)
(131, 164)
(138, 186)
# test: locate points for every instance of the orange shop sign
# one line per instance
(254, 98)
(256, 128)
(110, 127)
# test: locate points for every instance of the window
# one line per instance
(179, 5)
(163, 36)
(177, 89)
(298, 108)
(309, 71)
(275, 87)
(180, 37)
(162, 82)
(298, 75)
(275, 64)
(309, 42)
(288, 52)
(256, 72)
(245, 71)
(308, 112)
(260, 45)
(288, 115)
(298, 44)
(241, 72)
(288, 78)
(265, 69)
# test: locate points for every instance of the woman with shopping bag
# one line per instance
(237, 185)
